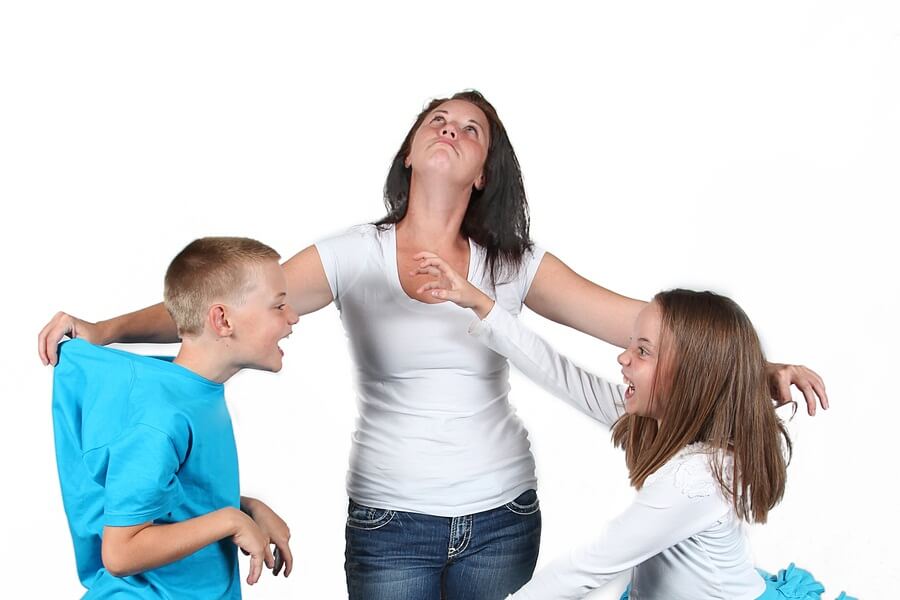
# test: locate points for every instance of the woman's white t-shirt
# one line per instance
(436, 433)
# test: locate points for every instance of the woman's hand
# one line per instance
(450, 285)
(63, 324)
(275, 530)
(782, 377)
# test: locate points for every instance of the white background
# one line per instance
(748, 148)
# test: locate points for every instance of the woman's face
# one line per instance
(452, 141)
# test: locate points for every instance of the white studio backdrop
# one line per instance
(748, 148)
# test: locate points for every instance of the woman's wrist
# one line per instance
(104, 331)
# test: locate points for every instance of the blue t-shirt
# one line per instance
(140, 439)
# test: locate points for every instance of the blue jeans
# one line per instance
(394, 555)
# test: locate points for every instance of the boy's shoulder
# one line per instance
(115, 390)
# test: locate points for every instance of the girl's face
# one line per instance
(639, 363)
(452, 140)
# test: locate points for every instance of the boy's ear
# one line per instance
(218, 320)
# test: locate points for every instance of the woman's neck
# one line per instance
(434, 214)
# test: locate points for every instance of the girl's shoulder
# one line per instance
(692, 471)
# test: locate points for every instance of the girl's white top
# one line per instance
(436, 433)
(680, 537)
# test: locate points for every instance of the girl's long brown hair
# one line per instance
(712, 387)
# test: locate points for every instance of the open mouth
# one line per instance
(283, 338)
(629, 392)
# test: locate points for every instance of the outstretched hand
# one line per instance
(782, 377)
(450, 285)
(61, 325)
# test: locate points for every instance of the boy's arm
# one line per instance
(138, 548)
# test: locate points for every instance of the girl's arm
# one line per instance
(134, 549)
(505, 335)
(665, 512)
(592, 395)
(562, 295)
(308, 291)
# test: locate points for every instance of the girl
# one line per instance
(702, 442)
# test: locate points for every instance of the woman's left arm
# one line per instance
(562, 295)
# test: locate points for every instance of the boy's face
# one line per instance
(263, 319)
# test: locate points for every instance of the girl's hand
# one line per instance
(275, 530)
(450, 285)
(782, 377)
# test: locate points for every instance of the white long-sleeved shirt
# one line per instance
(680, 535)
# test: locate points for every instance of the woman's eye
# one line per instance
(437, 119)
(472, 129)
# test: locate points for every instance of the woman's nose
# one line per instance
(449, 130)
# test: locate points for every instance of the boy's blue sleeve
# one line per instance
(141, 477)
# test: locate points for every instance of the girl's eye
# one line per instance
(642, 351)
(281, 306)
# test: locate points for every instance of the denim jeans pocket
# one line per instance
(526, 504)
(366, 517)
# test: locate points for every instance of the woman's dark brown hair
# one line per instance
(711, 387)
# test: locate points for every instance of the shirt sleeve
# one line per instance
(142, 477)
(343, 257)
(528, 352)
(665, 512)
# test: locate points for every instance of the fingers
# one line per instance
(288, 558)
(810, 398)
(256, 562)
(422, 255)
(819, 387)
(270, 559)
(783, 390)
(433, 271)
(50, 336)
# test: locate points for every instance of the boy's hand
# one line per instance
(450, 285)
(275, 529)
(251, 540)
(61, 325)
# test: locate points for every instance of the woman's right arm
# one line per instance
(308, 291)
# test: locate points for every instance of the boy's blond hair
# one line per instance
(210, 269)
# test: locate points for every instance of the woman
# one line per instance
(439, 463)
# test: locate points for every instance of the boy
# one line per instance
(145, 449)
